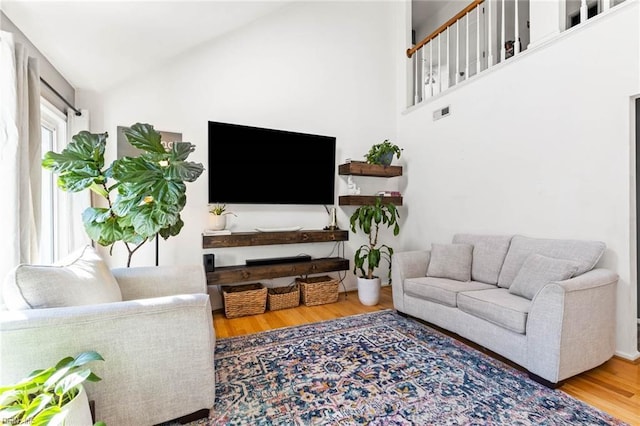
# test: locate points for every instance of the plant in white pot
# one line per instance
(219, 214)
(367, 258)
(54, 396)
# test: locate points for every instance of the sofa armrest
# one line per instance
(571, 325)
(407, 264)
(151, 348)
(157, 281)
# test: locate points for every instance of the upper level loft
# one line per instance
(451, 45)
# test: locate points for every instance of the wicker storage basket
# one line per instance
(283, 297)
(246, 299)
(318, 290)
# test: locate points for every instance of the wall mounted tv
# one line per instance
(253, 165)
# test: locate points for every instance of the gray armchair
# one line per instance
(158, 344)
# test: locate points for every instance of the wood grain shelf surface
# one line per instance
(366, 200)
(244, 239)
(243, 273)
(362, 168)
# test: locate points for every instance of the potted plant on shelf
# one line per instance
(382, 153)
(367, 258)
(219, 216)
(53, 396)
(142, 196)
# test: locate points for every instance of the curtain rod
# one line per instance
(55, 92)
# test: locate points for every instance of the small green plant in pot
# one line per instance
(382, 153)
(367, 257)
(219, 214)
(47, 397)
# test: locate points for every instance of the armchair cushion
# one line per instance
(451, 261)
(82, 278)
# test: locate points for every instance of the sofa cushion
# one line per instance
(537, 271)
(585, 253)
(497, 306)
(440, 290)
(82, 278)
(489, 252)
(450, 261)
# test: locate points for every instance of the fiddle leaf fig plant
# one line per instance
(368, 219)
(143, 195)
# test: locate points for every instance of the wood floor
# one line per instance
(613, 387)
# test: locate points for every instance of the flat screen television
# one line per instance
(253, 165)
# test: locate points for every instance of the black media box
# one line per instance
(209, 262)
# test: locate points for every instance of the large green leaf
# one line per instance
(144, 137)
(172, 230)
(181, 150)
(183, 171)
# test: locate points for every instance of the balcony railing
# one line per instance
(483, 34)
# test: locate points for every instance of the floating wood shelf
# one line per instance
(361, 168)
(242, 273)
(243, 239)
(367, 200)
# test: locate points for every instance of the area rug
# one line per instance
(378, 369)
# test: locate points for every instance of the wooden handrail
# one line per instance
(443, 27)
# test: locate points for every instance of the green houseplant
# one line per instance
(219, 214)
(45, 397)
(383, 152)
(144, 195)
(367, 257)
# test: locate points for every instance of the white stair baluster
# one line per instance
(416, 79)
(583, 11)
(503, 50)
(457, 51)
(516, 40)
(431, 68)
(606, 5)
(448, 62)
(439, 65)
(478, 39)
(489, 35)
(466, 62)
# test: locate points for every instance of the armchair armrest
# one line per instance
(571, 325)
(151, 348)
(407, 264)
(157, 281)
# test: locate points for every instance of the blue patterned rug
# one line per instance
(378, 369)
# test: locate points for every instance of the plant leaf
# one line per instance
(143, 136)
(85, 357)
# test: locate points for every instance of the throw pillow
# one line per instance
(82, 278)
(537, 271)
(451, 261)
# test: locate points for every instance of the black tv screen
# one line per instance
(253, 165)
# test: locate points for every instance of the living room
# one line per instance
(540, 146)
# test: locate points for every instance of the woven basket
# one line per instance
(246, 299)
(318, 290)
(283, 297)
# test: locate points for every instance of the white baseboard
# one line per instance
(628, 356)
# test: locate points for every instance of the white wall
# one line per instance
(539, 146)
(320, 67)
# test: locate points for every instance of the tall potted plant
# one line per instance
(367, 257)
(144, 195)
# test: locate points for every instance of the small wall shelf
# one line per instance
(362, 168)
(243, 273)
(367, 200)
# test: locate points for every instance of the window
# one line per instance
(53, 125)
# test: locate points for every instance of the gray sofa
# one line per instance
(538, 302)
(152, 325)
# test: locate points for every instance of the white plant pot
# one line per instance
(77, 410)
(369, 291)
(218, 222)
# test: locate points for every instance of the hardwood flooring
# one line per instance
(614, 387)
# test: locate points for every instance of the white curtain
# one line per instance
(20, 155)
(71, 230)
